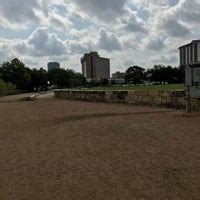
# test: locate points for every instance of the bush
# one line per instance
(6, 86)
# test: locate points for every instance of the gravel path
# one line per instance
(53, 149)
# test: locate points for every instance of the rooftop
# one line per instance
(193, 41)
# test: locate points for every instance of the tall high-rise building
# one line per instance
(190, 53)
(53, 65)
(95, 67)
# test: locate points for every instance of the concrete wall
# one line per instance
(170, 99)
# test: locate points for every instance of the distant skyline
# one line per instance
(129, 32)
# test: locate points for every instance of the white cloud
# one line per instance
(78, 47)
(18, 11)
(154, 43)
(132, 23)
(15, 12)
(187, 11)
(108, 41)
(19, 15)
(42, 43)
(104, 10)
(127, 31)
(5, 54)
(175, 28)
(163, 59)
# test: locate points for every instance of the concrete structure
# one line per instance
(53, 65)
(170, 99)
(190, 59)
(95, 67)
(190, 53)
(119, 75)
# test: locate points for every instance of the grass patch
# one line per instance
(5, 87)
(169, 87)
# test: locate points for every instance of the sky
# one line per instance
(129, 32)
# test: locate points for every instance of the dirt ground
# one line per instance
(53, 149)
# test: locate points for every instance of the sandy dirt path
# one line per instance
(22, 97)
(53, 149)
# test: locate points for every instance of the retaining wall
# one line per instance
(170, 99)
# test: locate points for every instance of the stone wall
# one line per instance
(170, 99)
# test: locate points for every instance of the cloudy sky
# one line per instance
(129, 32)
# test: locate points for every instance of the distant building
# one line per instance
(119, 75)
(119, 81)
(53, 65)
(117, 78)
(95, 67)
(190, 53)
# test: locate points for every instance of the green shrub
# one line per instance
(6, 86)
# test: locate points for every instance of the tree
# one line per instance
(24, 78)
(16, 73)
(66, 78)
(135, 75)
(104, 82)
(77, 80)
(38, 78)
(59, 77)
(93, 83)
(113, 82)
(1, 72)
(180, 74)
(157, 74)
(162, 74)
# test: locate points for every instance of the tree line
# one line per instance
(15, 72)
(159, 74)
(136, 75)
(23, 78)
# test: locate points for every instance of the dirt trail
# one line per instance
(56, 149)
